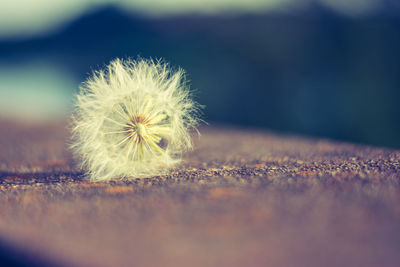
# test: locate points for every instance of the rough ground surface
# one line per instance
(242, 198)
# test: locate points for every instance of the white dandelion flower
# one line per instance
(133, 120)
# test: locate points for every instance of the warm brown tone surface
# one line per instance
(242, 198)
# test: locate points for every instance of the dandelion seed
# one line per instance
(133, 120)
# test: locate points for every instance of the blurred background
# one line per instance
(327, 68)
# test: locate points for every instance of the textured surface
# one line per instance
(243, 197)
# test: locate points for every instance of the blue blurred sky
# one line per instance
(27, 17)
(34, 90)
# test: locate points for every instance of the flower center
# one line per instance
(140, 129)
(137, 128)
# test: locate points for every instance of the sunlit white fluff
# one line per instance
(133, 120)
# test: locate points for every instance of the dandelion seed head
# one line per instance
(133, 119)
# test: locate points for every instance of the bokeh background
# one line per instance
(327, 68)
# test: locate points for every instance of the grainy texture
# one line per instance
(242, 198)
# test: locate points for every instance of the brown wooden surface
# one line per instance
(242, 198)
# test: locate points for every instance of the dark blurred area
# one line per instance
(313, 72)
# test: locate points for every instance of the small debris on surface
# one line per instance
(241, 198)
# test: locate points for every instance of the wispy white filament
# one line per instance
(133, 120)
